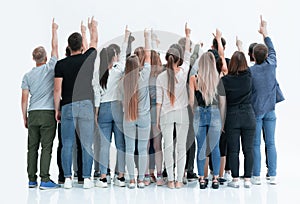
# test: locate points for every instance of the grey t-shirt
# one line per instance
(40, 83)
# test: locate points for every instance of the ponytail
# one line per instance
(171, 79)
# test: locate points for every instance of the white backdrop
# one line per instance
(27, 24)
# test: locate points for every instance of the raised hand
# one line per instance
(263, 27)
(239, 44)
(54, 25)
(187, 31)
(127, 33)
(82, 27)
(154, 37)
(146, 34)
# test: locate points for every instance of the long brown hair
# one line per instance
(131, 88)
(174, 57)
(140, 53)
(156, 65)
(238, 63)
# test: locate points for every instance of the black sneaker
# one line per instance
(97, 175)
(191, 176)
(164, 174)
(221, 180)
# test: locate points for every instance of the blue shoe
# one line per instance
(32, 184)
(48, 185)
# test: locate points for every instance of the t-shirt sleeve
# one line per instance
(25, 84)
(52, 62)
(221, 88)
(58, 71)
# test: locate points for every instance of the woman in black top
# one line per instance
(240, 119)
(208, 117)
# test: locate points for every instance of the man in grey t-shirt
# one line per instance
(39, 117)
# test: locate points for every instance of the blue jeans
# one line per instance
(142, 127)
(207, 126)
(78, 115)
(268, 123)
(110, 120)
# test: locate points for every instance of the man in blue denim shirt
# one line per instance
(264, 86)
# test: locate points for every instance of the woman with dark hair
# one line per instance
(172, 102)
(136, 105)
(109, 110)
(240, 118)
(209, 115)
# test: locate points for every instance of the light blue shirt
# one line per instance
(40, 83)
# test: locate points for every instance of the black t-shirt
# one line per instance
(77, 73)
(238, 88)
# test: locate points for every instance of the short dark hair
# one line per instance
(115, 47)
(75, 41)
(215, 43)
(250, 51)
(260, 53)
(238, 63)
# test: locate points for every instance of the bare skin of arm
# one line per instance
(24, 105)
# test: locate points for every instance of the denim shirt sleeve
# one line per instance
(271, 59)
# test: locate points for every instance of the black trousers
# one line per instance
(61, 177)
(190, 144)
(240, 125)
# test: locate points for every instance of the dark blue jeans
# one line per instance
(240, 124)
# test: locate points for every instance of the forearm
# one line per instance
(195, 54)
(147, 50)
(93, 37)
(158, 110)
(54, 43)
(84, 41)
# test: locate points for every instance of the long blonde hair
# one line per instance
(131, 88)
(208, 77)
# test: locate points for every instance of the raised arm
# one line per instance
(271, 51)
(218, 37)
(154, 40)
(84, 38)
(147, 46)
(54, 41)
(92, 25)
(187, 54)
(124, 49)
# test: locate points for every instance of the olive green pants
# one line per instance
(41, 130)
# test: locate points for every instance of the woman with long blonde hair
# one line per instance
(209, 111)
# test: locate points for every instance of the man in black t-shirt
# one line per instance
(74, 93)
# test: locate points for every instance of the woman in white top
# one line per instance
(109, 111)
(137, 119)
(172, 102)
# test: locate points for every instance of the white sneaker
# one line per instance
(131, 185)
(102, 183)
(119, 181)
(141, 184)
(234, 184)
(108, 179)
(228, 176)
(255, 180)
(68, 183)
(247, 184)
(88, 183)
(273, 180)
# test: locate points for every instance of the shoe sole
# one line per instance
(46, 188)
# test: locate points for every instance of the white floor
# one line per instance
(13, 188)
(152, 194)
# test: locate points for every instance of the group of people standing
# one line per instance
(151, 106)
